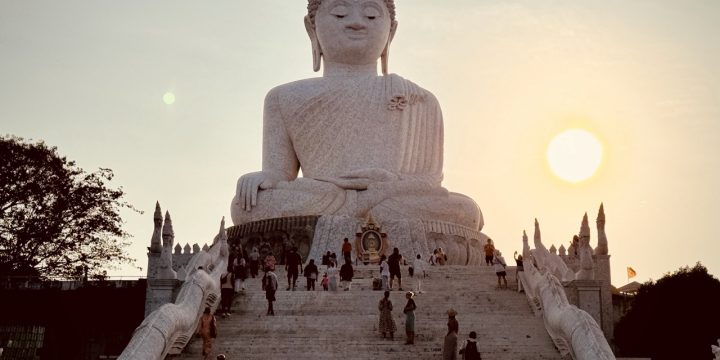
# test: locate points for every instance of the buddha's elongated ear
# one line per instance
(386, 52)
(316, 50)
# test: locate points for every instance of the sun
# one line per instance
(574, 155)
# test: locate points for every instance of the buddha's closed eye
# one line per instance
(371, 12)
(339, 12)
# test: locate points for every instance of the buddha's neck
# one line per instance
(333, 69)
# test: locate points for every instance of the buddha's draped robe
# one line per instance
(364, 144)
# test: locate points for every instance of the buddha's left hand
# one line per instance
(360, 179)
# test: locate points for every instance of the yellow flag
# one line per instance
(631, 272)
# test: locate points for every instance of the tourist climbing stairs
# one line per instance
(343, 325)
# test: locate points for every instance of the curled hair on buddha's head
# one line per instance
(314, 5)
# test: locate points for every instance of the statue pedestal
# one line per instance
(316, 235)
(412, 237)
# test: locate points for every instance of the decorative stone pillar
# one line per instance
(586, 295)
(602, 273)
(160, 292)
(594, 297)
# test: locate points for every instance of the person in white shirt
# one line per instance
(419, 268)
(332, 273)
(384, 272)
(499, 264)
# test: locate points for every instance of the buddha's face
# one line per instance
(353, 32)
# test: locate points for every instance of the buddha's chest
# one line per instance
(350, 135)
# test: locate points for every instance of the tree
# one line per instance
(56, 219)
(676, 318)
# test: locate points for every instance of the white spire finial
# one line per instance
(155, 246)
(602, 246)
(168, 235)
(584, 228)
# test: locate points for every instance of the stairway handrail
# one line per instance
(575, 333)
(168, 329)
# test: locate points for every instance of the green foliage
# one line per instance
(57, 220)
(678, 317)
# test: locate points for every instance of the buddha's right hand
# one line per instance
(248, 185)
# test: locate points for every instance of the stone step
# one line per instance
(325, 324)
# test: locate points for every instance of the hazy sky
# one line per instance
(643, 76)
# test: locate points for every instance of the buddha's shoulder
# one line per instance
(299, 88)
(309, 88)
(403, 86)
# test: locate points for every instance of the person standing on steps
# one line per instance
(332, 273)
(420, 274)
(254, 261)
(387, 323)
(347, 250)
(469, 348)
(269, 262)
(499, 264)
(241, 273)
(325, 282)
(518, 269)
(451, 339)
(270, 285)
(226, 292)
(293, 266)
(489, 249)
(394, 262)
(409, 311)
(384, 272)
(207, 330)
(346, 274)
(311, 274)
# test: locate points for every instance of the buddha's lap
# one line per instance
(328, 199)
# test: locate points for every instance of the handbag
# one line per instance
(213, 328)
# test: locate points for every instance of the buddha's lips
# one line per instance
(356, 34)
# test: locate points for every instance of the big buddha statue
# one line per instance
(366, 143)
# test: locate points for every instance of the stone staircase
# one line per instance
(333, 325)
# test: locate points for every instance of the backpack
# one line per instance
(471, 351)
(267, 283)
(213, 328)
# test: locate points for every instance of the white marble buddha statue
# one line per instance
(365, 142)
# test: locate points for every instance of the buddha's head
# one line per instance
(352, 32)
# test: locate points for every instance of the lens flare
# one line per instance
(169, 98)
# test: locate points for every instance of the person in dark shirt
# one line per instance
(394, 264)
(347, 250)
(520, 268)
(311, 274)
(293, 266)
(346, 274)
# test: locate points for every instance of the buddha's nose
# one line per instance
(355, 22)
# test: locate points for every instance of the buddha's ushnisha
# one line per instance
(365, 143)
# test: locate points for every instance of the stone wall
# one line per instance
(274, 235)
